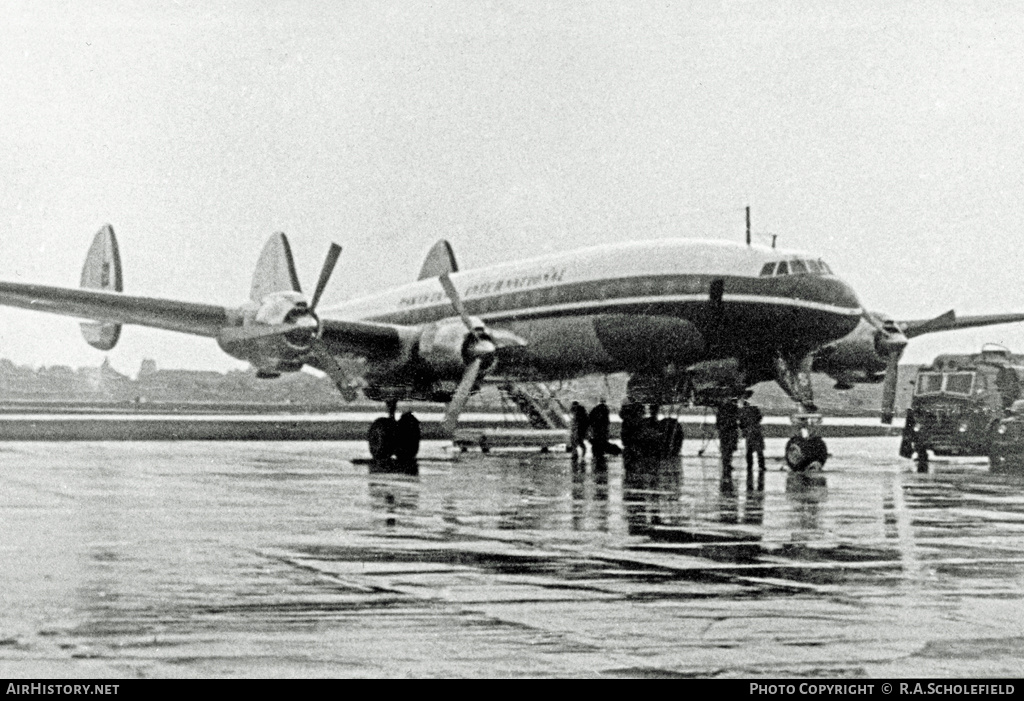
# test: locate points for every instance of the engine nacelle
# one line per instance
(274, 335)
(446, 347)
(856, 354)
(846, 380)
(289, 308)
(864, 355)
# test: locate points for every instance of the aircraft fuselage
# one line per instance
(637, 307)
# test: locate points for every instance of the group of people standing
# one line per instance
(731, 420)
(593, 425)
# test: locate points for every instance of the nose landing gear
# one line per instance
(806, 451)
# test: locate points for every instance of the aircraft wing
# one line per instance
(950, 321)
(118, 308)
(363, 338)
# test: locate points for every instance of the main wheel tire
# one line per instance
(806, 453)
(382, 438)
(407, 437)
(671, 437)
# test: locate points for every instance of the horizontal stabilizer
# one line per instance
(102, 271)
(440, 260)
(275, 270)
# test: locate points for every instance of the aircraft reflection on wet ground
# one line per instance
(289, 559)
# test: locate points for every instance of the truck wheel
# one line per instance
(922, 460)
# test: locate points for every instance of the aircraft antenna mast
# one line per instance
(748, 225)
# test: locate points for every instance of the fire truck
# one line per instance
(958, 401)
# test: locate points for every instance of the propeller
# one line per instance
(328, 363)
(280, 297)
(479, 349)
(890, 341)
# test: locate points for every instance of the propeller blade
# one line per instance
(892, 370)
(456, 301)
(329, 364)
(461, 396)
(325, 273)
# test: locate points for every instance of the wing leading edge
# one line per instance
(950, 321)
(370, 340)
(118, 308)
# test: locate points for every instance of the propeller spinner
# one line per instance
(479, 350)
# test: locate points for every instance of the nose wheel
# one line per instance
(806, 451)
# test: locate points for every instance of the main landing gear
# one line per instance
(806, 451)
(399, 439)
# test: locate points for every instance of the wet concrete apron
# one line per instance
(288, 559)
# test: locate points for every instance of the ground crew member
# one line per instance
(631, 415)
(750, 424)
(726, 421)
(599, 421)
(579, 429)
(907, 439)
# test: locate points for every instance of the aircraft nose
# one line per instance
(839, 293)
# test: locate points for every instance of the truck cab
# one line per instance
(958, 401)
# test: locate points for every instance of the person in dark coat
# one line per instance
(726, 421)
(750, 424)
(579, 429)
(599, 421)
(631, 415)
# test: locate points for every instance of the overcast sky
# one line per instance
(885, 137)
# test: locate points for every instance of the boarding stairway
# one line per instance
(537, 403)
(545, 413)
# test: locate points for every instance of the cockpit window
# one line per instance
(929, 383)
(796, 267)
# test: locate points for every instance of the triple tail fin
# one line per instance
(440, 260)
(275, 270)
(102, 271)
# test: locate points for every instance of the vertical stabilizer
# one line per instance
(102, 271)
(440, 260)
(275, 270)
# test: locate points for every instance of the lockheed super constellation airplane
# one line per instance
(689, 320)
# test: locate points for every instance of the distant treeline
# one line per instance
(105, 384)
